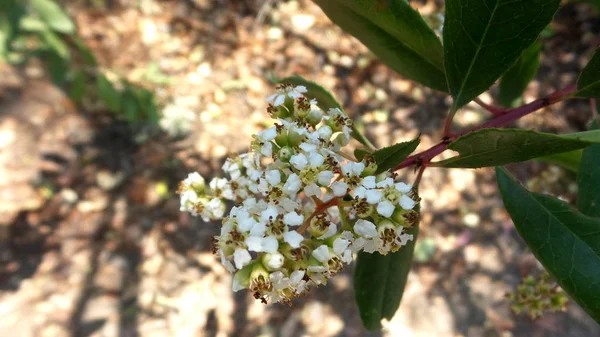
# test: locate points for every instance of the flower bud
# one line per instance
(370, 166)
(405, 218)
(281, 139)
(273, 261)
(314, 117)
(285, 154)
(294, 138)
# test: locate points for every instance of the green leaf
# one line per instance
(494, 147)
(514, 82)
(54, 42)
(390, 156)
(379, 282)
(31, 24)
(359, 154)
(108, 94)
(396, 33)
(129, 105)
(54, 15)
(588, 198)
(148, 105)
(325, 101)
(85, 52)
(588, 84)
(565, 241)
(483, 38)
(78, 88)
(568, 160)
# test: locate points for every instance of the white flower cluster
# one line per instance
(177, 120)
(303, 208)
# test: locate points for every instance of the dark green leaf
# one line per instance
(493, 147)
(393, 155)
(85, 52)
(78, 86)
(396, 33)
(129, 105)
(148, 105)
(54, 42)
(325, 101)
(588, 84)
(379, 282)
(588, 199)
(514, 82)
(565, 241)
(568, 160)
(108, 94)
(483, 38)
(54, 15)
(359, 154)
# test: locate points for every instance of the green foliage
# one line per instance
(569, 160)
(393, 155)
(514, 82)
(396, 33)
(588, 84)
(493, 147)
(483, 38)
(538, 295)
(53, 15)
(588, 199)
(379, 282)
(565, 241)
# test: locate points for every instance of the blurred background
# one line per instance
(105, 107)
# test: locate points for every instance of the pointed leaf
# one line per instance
(54, 15)
(396, 33)
(588, 198)
(483, 38)
(325, 101)
(588, 84)
(379, 282)
(391, 156)
(493, 147)
(569, 160)
(565, 241)
(514, 82)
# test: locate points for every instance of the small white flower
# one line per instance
(293, 238)
(402, 187)
(241, 257)
(278, 98)
(331, 230)
(254, 243)
(273, 177)
(339, 188)
(373, 196)
(312, 190)
(340, 245)
(365, 228)
(258, 229)
(315, 160)
(385, 208)
(274, 261)
(269, 214)
(352, 169)
(293, 219)
(299, 161)
(308, 148)
(214, 209)
(324, 177)
(368, 182)
(321, 253)
(292, 185)
(406, 202)
(270, 244)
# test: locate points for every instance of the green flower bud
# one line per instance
(285, 154)
(370, 166)
(314, 117)
(281, 139)
(294, 138)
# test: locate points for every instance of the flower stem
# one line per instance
(494, 110)
(322, 207)
(424, 158)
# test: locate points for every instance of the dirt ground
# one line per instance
(92, 242)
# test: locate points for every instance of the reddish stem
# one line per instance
(494, 110)
(320, 209)
(424, 158)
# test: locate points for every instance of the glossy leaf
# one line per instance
(588, 198)
(391, 156)
(379, 282)
(565, 241)
(483, 38)
(325, 101)
(514, 82)
(494, 147)
(54, 15)
(588, 84)
(396, 33)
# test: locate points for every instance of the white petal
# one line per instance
(307, 147)
(325, 132)
(339, 188)
(406, 202)
(385, 182)
(279, 100)
(258, 229)
(402, 187)
(271, 98)
(293, 238)
(331, 230)
(324, 177)
(359, 192)
(273, 177)
(404, 238)
(294, 94)
(241, 257)
(269, 214)
(292, 185)
(346, 169)
(293, 219)
(300, 88)
(270, 244)
(297, 276)
(358, 168)
(315, 160)
(299, 161)
(340, 245)
(267, 149)
(246, 224)
(226, 263)
(365, 228)
(321, 253)
(385, 208)
(373, 196)
(254, 243)
(268, 134)
(368, 182)
(312, 190)
(275, 261)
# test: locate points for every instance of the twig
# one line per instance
(320, 209)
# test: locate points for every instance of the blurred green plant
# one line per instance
(41, 29)
(538, 295)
